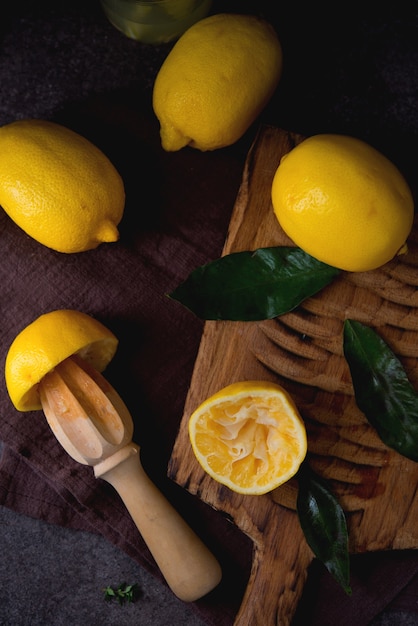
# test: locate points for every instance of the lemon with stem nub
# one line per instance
(216, 80)
(58, 187)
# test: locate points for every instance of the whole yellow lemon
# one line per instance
(216, 80)
(343, 202)
(59, 187)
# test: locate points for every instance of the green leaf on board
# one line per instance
(324, 525)
(257, 285)
(382, 389)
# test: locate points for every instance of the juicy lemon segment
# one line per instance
(343, 202)
(59, 187)
(216, 80)
(249, 436)
(47, 341)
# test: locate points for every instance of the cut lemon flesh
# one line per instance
(249, 436)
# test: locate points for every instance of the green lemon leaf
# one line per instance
(382, 389)
(249, 286)
(324, 525)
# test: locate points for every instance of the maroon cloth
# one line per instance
(177, 212)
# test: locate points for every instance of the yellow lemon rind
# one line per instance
(46, 342)
(216, 80)
(58, 187)
(343, 202)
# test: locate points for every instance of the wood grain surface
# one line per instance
(302, 350)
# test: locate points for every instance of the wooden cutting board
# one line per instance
(302, 350)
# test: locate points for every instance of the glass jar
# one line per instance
(155, 21)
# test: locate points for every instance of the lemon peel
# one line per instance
(343, 202)
(46, 342)
(216, 80)
(58, 187)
